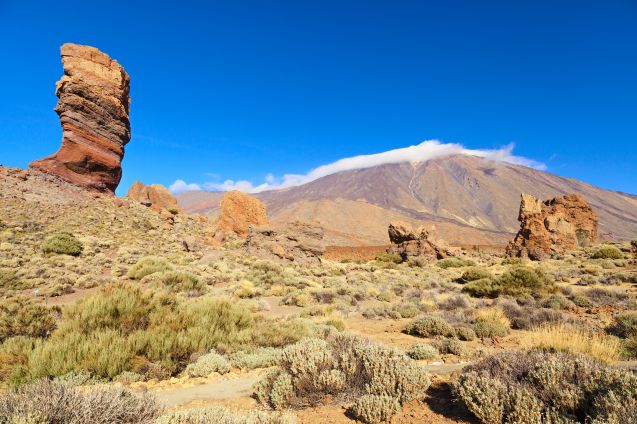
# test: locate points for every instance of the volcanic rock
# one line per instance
(552, 226)
(238, 212)
(407, 242)
(299, 242)
(93, 107)
(156, 196)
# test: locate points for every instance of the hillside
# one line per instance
(468, 200)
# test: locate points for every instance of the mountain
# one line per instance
(464, 199)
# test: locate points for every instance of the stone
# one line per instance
(238, 212)
(93, 106)
(408, 242)
(155, 196)
(553, 226)
(299, 242)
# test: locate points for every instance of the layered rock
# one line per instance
(93, 107)
(408, 242)
(299, 242)
(238, 212)
(155, 196)
(552, 226)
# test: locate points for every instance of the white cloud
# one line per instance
(424, 151)
(180, 185)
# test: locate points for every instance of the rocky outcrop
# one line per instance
(408, 242)
(93, 107)
(155, 196)
(298, 242)
(238, 212)
(552, 226)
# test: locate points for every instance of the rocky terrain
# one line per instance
(466, 199)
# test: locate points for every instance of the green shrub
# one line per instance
(485, 287)
(53, 402)
(453, 262)
(625, 325)
(430, 326)
(450, 346)
(62, 243)
(148, 266)
(22, 317)
(178, 281)
(465, 333)
(542, 387)
(557, 301)
(223, 415)
(389, 257)
(344, 366)
(474, 274)
(421, 352)
(491, 323)
(9, 280)
(207, 364)
(517, 282)
(607, 252)
(375, 409)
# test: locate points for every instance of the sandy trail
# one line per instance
(214, 391)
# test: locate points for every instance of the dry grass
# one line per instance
(565, 338)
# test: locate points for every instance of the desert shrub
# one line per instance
(10, 280)
(430, 326)
(473, 274)
(391, 311)
(454, 303)
(465, 333)
(536, 387)
(450, 346)
(484, 287)
(557, 301)
(517, 282)
(601, 296)
(245, 289)
(608, 252)
(389, 257)
(52, 402)
(514, 261)
(454, 262)
(223, 415)
(569, 339)
(525, 318)
(344, 366)
(625, 325)
(207, 364)
(375, 409)
(491, 323)
(148, 266)
(633, 244)
(262, 357)
(22, 317)
(62, 243)
(423, 351)
(178, 281)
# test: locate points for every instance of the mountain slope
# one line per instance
(468, 200)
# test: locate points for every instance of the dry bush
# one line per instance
(450, 347)
(207, 364)
(375, 409)
(430, 326)
(344, 366)
(491, 323)
(525, 318)
(62, 243)
(22, 317)
(222, 415)
(50, 402)
(262, 357)
(423, 351)
(625, 325)
(608, 252)
(569, 339)
(473, 274)
(536, 387)
(518, 282)
(454, 262)
(148, 266)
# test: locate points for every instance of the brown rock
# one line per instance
(299, 242)
(552, 226)
(238, 212)
(407, 242)
(156, 196)
(93, 107)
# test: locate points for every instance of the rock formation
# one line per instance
(407, 242)
(93, 107)
(156, 196)
(552, 226)
(238, 212)
(299, 242)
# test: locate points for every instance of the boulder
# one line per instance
(156, 196)
(408, 242)
(93, 106)
(553, 226)
(299, 242)
(238, 212)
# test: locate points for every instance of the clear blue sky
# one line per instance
(240, 89)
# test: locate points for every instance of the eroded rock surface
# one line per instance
(93, 107)
(407, 242)
(156, 196)
(299, 242)
(552, 226)
(238, 212)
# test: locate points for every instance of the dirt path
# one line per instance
(214, 391)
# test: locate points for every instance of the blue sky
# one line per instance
(243, 89)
